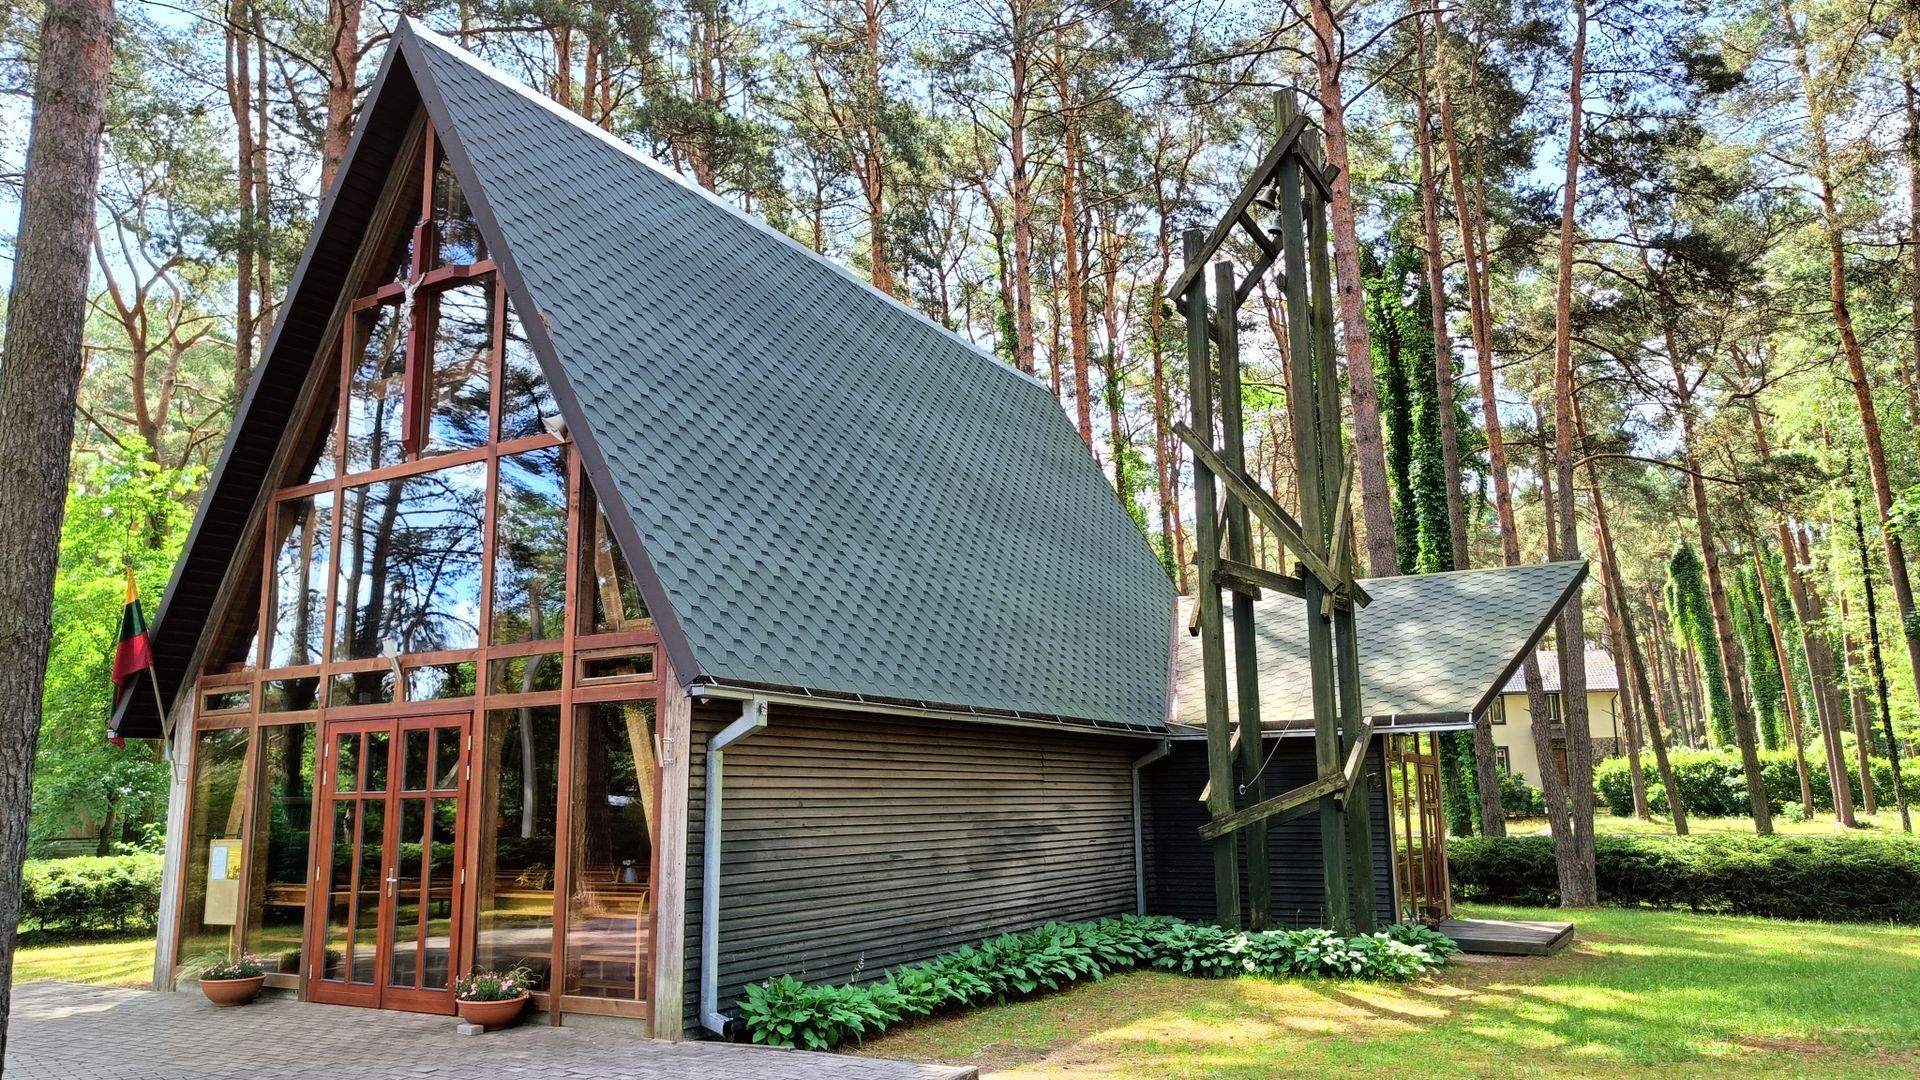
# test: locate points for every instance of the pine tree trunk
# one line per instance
(1370, 460)
(1020, 190)
(39, 381)
(1070, 241)
(1575, 853)
(1810, 611)
(343, 74)
(1850, 346)
(1442, 342)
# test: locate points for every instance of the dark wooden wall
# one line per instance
(856, 841)
(1180, 865)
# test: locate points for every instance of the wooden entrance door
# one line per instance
(391, 912)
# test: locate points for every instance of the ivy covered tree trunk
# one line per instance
(1692, 618)
(39, 381)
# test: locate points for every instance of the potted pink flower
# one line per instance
(493, 999)
(229, 981)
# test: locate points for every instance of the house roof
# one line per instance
(1434, 648)
(819, 488)
(1601, 674)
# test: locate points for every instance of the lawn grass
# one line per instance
(1884, 823)
(118, 960)
(1656, 993)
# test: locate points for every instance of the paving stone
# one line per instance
(62, 1031)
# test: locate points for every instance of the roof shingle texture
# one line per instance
(1430, 644)
(837, 494)
(1601, 676)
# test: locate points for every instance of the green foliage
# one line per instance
(1692, 616)
(1521, 799)
(1401, 318)
(493, 985)
(1460, 783)
(1835, 878)
(788, 1012)
(114, 892)
(119, 510)
(1713, 784)
(1763, 664)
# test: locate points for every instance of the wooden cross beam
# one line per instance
(1341, 785)
(1255, 498)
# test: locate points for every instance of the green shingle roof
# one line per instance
(1433, 647)
(828, 491)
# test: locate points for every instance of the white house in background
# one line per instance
(1513, 723)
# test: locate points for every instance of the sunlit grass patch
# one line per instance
(125, 960)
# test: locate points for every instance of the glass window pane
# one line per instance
(237, 646)
(366, 902)
(408, 894)
(527, 407)
(618, 666)
(374, 778)
(462, 352)
(376, 394)
(613, 814)
(399, 264)
(361, 688)
(339, 900)
(457, 237)
(283, 828)
(212, 897)
(616, 597)
(438, 890)
(410, 564)
(434, 682)
(303, 533)
(238, 700)
(525, 674)
(290, 695)
(530, 547)
(446, 758)
(518, 808)
(413, 771)
(346, 763)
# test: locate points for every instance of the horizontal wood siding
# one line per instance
(855, 842)
(1180, 864)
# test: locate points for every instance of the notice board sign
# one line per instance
(223, 883)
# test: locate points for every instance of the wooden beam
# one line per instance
(1289, 135)
(1303, 795)
(1248, 579)
(1357, 756)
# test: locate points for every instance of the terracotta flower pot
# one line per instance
(227, 993)
(493, 1014)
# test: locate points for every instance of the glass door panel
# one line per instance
(393, 909)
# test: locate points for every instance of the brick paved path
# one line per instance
(65, 1032)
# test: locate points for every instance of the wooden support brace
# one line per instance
(1243, 487)
(1261, 177)
(1248, 579)
(1356, 757)
(1330, 784)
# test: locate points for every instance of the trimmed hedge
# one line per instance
(788, 1012)
(1714, 785)
(111, 892)
(1833, 878)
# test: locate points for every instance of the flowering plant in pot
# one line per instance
(493, 999)
(229, 981)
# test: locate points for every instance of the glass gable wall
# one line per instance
(435, 749)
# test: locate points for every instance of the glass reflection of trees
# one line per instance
(282, 830)
(410, 564)
(530, 547)
(462, 354)
(612, 849)
(376, 391)
(518, 811)
(457, 236)
(527, 407)
(299, 580)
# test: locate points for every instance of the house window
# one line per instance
(520, 800)
(283, 826)
(210, 913)
(410, 564)
(530, 547)
(1499, 711)
(1553, 707)
(1502, 757)
(610, 872)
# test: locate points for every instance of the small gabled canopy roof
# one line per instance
(1434, 648)
(1602, 678)
(819, 488)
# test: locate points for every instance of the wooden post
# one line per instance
(1239, 547)
(1213, 651)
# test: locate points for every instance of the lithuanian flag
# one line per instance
(133, 653)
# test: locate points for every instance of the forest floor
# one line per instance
(1886, 822)
(113, 960)
(1658, 993)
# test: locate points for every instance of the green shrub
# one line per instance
(1713, 783)
(1835, 878)
(788, 1012)
(112, 892)
(1519, 798)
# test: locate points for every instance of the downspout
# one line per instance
(753, 717)
(1139, 847)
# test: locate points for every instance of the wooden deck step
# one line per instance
(1509, 938)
